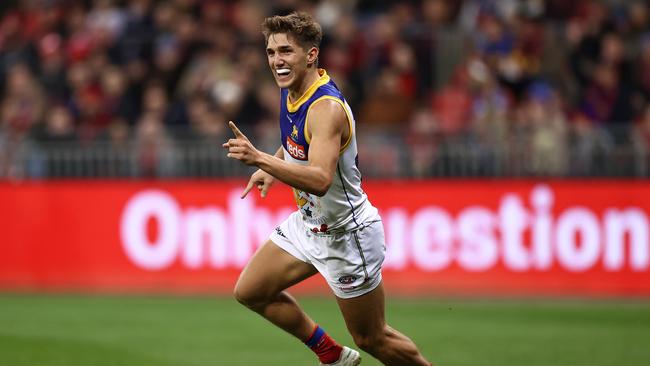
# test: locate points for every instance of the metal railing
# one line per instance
(381, 154)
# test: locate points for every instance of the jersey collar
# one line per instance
(324, 79)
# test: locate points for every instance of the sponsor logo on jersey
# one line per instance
(296, 150)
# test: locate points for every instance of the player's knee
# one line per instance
(371, 343)
(247, 296)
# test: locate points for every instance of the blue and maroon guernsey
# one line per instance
(293, 116)
(345, 206)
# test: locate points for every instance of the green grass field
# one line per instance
(114, 330)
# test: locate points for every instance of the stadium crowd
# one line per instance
(559, 83)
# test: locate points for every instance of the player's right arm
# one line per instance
(261, 179)
(327, 129)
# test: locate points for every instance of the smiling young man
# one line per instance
(335, 231)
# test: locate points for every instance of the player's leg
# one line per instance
(261, 288)
(364, 317)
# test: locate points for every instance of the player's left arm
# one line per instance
(327, 124)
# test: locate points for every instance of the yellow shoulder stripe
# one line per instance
(347, 114)
(324, 79)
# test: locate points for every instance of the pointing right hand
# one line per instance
(262, 180)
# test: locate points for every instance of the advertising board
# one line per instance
(565, 238)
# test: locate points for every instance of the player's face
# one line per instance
(287, 59)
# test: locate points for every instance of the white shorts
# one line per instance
(350, 261)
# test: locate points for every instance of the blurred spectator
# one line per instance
(24, 100)
(641, 140)
(105, 22)
(423, 137)
(116, 102)
(52, 71)
(154, 151)
(590, 144)
(388, 106)
(118, 135)
(204, 120)
(491, 105)
(58, 127)
(116, 141)
(542, 118)
(643, 65)
(452, 105)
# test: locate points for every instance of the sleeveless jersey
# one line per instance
(345, 206)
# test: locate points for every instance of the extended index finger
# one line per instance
(235, 130)
(248, 189)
